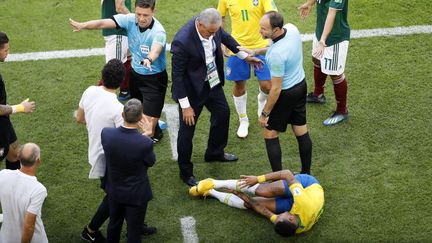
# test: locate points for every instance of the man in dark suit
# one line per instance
(128, 156)
(198, 77)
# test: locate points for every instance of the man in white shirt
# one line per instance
(21, 198)
(99, 108)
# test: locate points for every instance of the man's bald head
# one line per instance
(29, 154)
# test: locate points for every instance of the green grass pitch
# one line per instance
(375, 168)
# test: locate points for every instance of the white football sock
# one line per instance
(234, 185)
(240, 105)
(228, 184)
(262, 100)
(228, 199)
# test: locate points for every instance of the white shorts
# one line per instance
(116, 46)
(334, 58)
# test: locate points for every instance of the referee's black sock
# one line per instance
(274, 153)
(305, 150)
(13, 165)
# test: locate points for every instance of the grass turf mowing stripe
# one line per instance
(32, 56)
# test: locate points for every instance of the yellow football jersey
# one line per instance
(245, 17)
(308, 205)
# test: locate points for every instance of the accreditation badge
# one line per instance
(212, 75)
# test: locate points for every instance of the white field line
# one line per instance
(31, 56)
(188, 230)
(172, 120)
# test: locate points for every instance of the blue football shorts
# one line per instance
(238, 69)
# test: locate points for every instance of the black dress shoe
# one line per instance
(190, 181)
(148, 230)
(225, 158)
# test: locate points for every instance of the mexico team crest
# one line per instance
(255, 2)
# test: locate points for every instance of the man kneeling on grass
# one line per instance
(293, 203)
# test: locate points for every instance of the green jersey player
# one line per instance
(329, 52)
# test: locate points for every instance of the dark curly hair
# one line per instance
(285, 228)
(3, 39)
(113, 73)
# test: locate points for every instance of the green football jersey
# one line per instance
(108, 10)
(341, 29)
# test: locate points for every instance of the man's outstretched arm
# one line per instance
(92, 24)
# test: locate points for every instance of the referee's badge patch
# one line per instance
(145, 49)
(255, 2)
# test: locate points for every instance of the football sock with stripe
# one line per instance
(228, 199)
(305, 150)
(274, 153)
(240, 105)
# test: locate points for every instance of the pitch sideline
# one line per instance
(355, 34)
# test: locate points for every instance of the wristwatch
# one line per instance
(265, 114)
(150, 60)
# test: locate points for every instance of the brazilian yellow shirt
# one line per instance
(245, 17)
(308, 205)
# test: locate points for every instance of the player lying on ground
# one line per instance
(293, 203)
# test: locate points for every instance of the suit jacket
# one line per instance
(189, 69)
(128, 155)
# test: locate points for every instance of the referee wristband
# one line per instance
(273, 218)
(261, 179)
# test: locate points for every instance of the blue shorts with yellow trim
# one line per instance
(238, 69)
(284, 204)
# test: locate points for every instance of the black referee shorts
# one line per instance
(150, 90)
(7, 136)
(290, 108)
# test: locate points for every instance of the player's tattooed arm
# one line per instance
(259, 208)
(253, 204)
(5, 110)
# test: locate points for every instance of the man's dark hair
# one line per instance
(29, 159)
(3, 39)
(113, 73)
(132, 111)
(275, 18)
(145, 4)
(285, 228)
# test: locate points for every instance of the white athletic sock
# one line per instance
(228, 184)
(234, 185)
(240, 105)
(262, 100)
(228, 199)
(262, 97)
